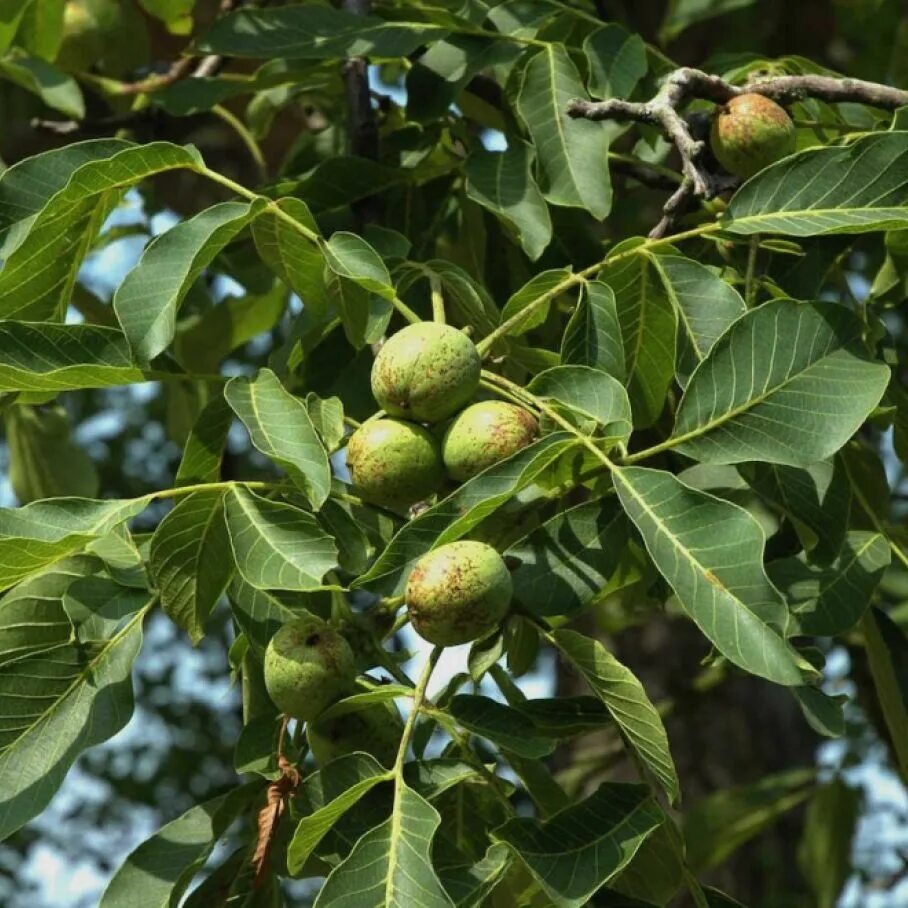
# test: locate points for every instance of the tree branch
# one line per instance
(689, 135)
(361, 124)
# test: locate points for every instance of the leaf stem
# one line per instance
(247, 138)
(419, 696)
(438, 300)
(180, 491)
(750, 282)
(578, 277)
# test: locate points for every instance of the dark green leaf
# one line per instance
(503, 182)
(150, 296)
(852, 188)
(711, 552)
(584, 846)
(572, 155)
(593, 334)
(788, 383)
(190, 560)
(623, 694)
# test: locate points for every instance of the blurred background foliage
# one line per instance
(178, 749)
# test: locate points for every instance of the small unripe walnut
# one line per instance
(426, 372)
(485, 433)
(308, 665)
(749, 133)
(376, 730)
(458, 593)
(394, 463)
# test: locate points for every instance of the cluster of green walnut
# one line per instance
(428, 435)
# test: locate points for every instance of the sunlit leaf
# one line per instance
(788, 383)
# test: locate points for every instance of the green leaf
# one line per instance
(35, 356)
(313, 33)
(546, 283)
(38, 276)
(364, 315)
(55, 88)
(297, 261)
(824, 853)
(623, 694)
(854, 188)
(830, 599)
(437, 77)
(327, 415)
(280, 427)
(501, 724)
(457, 514)
(565, 717)
(711, 552)
(503, 183)
(39, 533)
(568, 561)
(593, 334)
(572, 155)
(204, 449)
(887, 652)
(350, 256)
(44, 461)
(340, 786)
(581, 848)
(204, 341)
(259, 613)
(591, 395)
(150, 296)
(160, 870)
(823, 713)
(190, 560)
(11, 13)
(816, 498)
(706, 306)
(722, 822)
(390, 866)
(275, 545)
(469, 885)
(788, 383)
(684, 13)
(648, 331)
(616, 60)
(59, 702)
(29, 184)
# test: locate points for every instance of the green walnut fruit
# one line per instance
(458, 593)
(483, 434)
(749, 133)
(426, 372)
(374, 730)
(107, 35)
(394, 463)
(308, 665)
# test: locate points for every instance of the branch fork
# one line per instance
(683, 85)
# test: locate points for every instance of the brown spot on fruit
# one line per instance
(458, 593)
(394, 463)
(426, 372)
(485, 433)
(751, 132)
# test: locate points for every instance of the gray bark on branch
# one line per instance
(663, 110)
